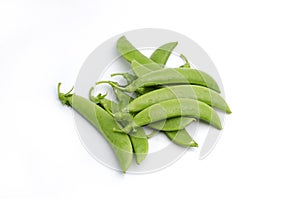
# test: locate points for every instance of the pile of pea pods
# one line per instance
(166, 100)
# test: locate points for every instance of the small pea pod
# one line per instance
(138, 138)
(200, 93)
(173, 108)
(181, 138)
(162, 54)
(171, 76)
(104, 123)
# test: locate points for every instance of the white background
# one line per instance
(254, 44)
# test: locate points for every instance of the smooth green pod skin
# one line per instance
(181, 138)
(195, 92)
(174, 108)
(162, 53)
(104, 123)
(170, 76)
(138, 138)
(130, 53)
(172, 124)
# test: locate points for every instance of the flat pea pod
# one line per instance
(196, 92)
(181, 138)
(171, 76)
(104, 123)
(172, 124)
(130, 53)
(138, 138)
(173, 108)
(162, 53)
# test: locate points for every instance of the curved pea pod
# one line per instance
(130, 53)
(171, 76)
(181, 138)
(138, 138)
(172, 124)
(104, 123)
(174, 108)
(162, 53)
(195, 92)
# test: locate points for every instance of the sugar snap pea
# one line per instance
(162, 54)
(173, 108)
(104, 123)
(130, 53)
(171, 76)
(138, 138)
(181, 138)
(196, 92)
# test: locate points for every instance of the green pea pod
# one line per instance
(104, 123)
(162, 54)
(138, 138)
(173, 108)
(181, 138)
(200, 93)
(171, 76)
(172, 124)
(130, 53)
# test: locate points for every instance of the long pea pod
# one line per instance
(171, 76)
(138, 138)
(196, 92)
(173, 108)
(104, 123)
(162, 53)
(130, 53)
